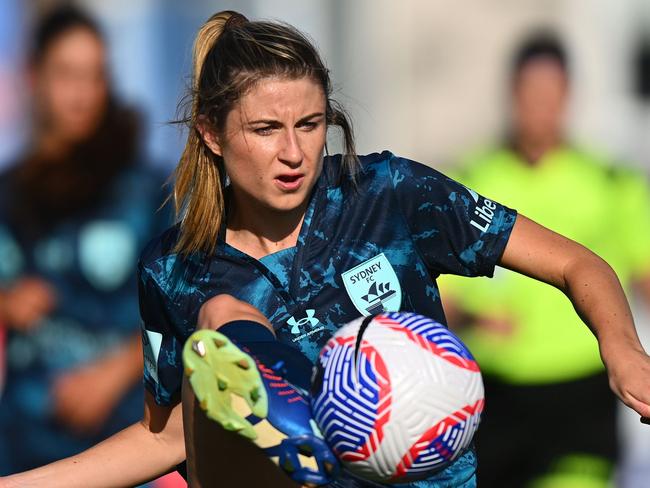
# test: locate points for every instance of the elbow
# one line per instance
(175, 444)
(164, 425)
(585, 269)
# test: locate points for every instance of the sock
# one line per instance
(258, 340)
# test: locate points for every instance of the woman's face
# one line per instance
(540, 96)
(273, 143)
(70, 85)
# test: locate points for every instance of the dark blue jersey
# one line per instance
(377, 245)
(89, 258)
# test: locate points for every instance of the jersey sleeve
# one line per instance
(162, 350)
(456, 230)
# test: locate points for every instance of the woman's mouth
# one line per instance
(289, 182)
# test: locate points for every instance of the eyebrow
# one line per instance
(274, 121)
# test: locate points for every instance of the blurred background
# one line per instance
(427, 79)
(424, 78)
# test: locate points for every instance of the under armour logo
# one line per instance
(309, 319)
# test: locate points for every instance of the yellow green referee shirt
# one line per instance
(574, 193)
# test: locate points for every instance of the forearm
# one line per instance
(129, 458)
(642, 287)
(597, 295)
(588, 281)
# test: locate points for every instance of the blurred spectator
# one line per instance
(11, 97)
(550, 416)
(75, 209)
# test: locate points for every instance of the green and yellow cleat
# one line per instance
(216, 369)
(259, 391)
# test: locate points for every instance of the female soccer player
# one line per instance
(272, 235)
(71, 227)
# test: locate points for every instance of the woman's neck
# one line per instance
(259, 231)
(50, 146)
(532, 150)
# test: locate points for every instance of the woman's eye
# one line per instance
(309, 125)
(264, 131)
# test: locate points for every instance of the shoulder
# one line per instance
(7, 186)
(7, 175)
(396, 168)
(170, 272)
(488, 160)
(383, 169)
(612, 174)
(367, 167)
(158, 254)
(584, 160)
(631, 185)
(139, 181)
(5, 180)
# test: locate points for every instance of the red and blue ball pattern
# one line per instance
(402, 401)
(353, 414)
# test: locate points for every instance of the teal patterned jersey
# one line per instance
(89, 258)
(365, 247)
(379, 245)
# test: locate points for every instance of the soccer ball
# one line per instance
(397, 396)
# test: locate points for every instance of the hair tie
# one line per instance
(234, 21)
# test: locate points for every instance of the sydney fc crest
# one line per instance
(373, 286)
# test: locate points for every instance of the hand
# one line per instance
(629, 378)
(495, 325)
(459, 319)
(24, 304)
(85, 397)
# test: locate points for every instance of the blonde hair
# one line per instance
(230, 55)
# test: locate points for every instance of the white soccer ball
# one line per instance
(397, 396)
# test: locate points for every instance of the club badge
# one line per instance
(373, 286)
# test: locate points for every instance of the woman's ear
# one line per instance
(208, 136)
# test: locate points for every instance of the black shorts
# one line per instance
(527, 430)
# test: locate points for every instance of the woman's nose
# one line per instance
(291, 152)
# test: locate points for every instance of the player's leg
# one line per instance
(251, 386)
(217, 457)
(581, 439)
(532, 437)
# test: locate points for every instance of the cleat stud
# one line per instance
(243, 364)
(203, 404)
(288, 466)
(305, 450)
(329, 467)
(221, 384)
(199, 348)
(233, 427)
(219, 343)
(255, 395)
(188, 371)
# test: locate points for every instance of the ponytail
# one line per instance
(208, 36)
(199, 189)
